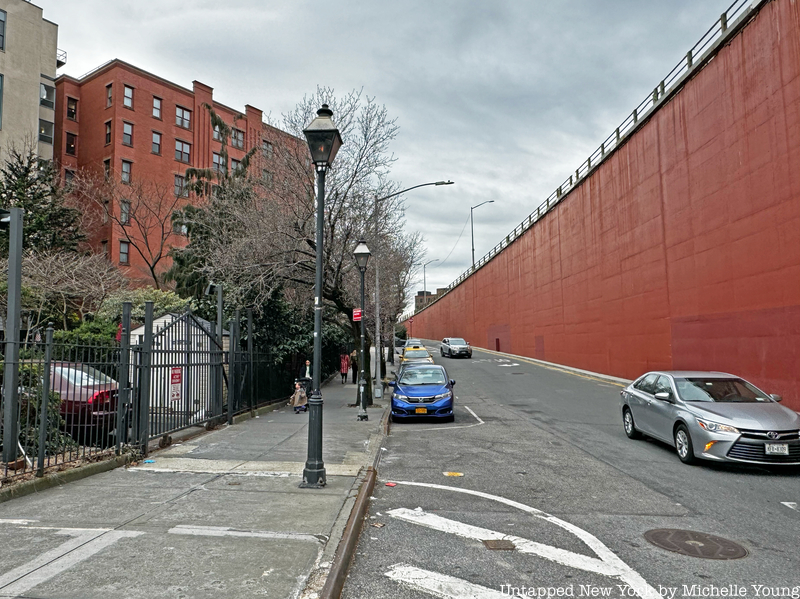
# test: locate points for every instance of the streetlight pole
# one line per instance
(324, 142)
(424, 281)
(361, 255)
(378, 287)
(472, 230)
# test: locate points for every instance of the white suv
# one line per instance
(452, 347)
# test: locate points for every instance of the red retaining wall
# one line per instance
(681, 250)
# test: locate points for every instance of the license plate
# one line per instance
(776, 449)
(421, 410)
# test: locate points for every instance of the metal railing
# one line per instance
(729, 23)
(81, 401)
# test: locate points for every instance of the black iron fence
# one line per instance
(84, 401)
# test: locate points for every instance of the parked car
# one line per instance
(713, 416)
(413, 343)
(88, 401)
(423, 390)
(413, 355)
(453, 347)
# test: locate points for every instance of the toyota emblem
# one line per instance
(773, 435)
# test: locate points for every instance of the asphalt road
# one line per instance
(540, 453)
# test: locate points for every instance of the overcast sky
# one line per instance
(504, 97)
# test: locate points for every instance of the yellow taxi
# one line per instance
(415, 354)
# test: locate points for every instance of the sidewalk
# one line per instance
(219, 515)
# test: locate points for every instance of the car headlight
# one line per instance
(715, 427)
(400, 397)
(443, 395)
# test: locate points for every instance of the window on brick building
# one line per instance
(157, 107)
(218, 163)
(183, 151)
(108, 132)
(47, 96)
(234, 165)
(125, 174)
(124, 252)
(72, 109)
(156, 142)
(46, 130)
(104, 247)
(180, 228)
(181, 189)
(109, 94)
(266, 177)
(127, 97)
(237, 138)
(107, 168)
(183, 117)
(69, 177)
(2, 30)
(266, 148)
(217, 134)
(72, 143)
(125, 212)
(127, 134)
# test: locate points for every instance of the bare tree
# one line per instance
(140, 212)
(65, 283)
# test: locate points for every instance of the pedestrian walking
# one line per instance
(299, 399)
(354, 364)
(344, 366)
(306, 370)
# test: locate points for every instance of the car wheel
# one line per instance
(441, 352)
(683, 445)
(630, 426)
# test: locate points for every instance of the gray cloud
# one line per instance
(505, 97)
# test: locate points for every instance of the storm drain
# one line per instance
(695, 544)
(499, 545)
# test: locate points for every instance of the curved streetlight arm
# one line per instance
(397, 193)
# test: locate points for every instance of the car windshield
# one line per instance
(718, 390)
(411, 342)
(416, 353)
(422, 376)
(83, 376)
(457, 341)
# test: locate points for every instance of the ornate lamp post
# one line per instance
(472, 230)
(324, 142)
(362, 254)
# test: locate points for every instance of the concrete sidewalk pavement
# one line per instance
(219, 515)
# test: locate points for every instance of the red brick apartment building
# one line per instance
(132, 125)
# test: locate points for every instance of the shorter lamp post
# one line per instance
(362, 255)
(472, 230)
(425, 283)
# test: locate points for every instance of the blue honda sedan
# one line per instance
(423, 390)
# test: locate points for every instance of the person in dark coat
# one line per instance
(354, 364)
(306, 370)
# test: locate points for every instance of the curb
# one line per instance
(347, 546)
(57, 479)
(340, 566)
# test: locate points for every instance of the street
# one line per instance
(538, 455)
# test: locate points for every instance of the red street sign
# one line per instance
(356, 314)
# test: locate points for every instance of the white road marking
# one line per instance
(443, 428)
(792, 505)
(440, 585)
(223, 531)
(18, 521)
(617, 568)
(84, 544)
(509, 365)
(467, 531)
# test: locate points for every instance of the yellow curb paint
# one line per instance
(453, 473)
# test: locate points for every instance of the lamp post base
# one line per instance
(313, 479)
(363, 416)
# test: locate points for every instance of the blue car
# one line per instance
(423, 390)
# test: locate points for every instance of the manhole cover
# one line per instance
(695, 544)
(499, 545)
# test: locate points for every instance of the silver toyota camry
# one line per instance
(711, 415)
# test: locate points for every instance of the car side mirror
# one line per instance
(664, 396)
(776, 397)
(452, 383)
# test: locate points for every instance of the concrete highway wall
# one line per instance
(681, 250)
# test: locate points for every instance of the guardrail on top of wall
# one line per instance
(729, 23)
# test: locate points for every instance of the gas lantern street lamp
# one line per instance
(324, 142)
(362, 254)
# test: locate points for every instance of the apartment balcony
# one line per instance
(61, 58)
